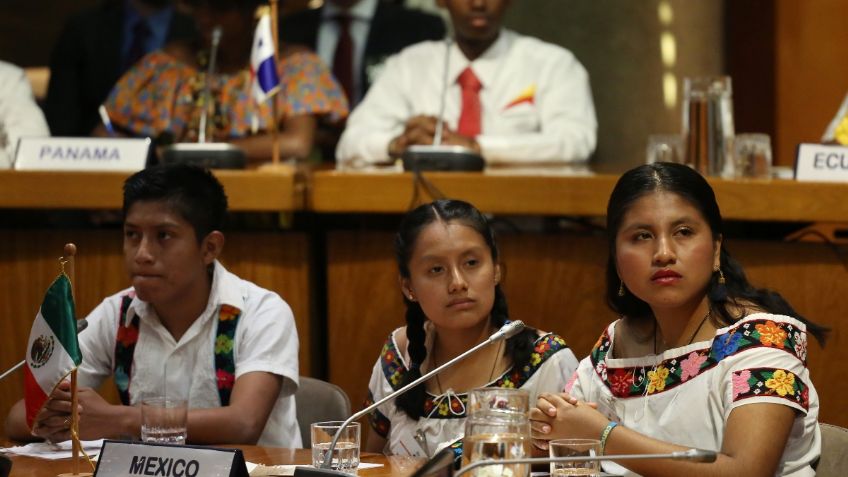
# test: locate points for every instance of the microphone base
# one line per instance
(442, 158)
(211, 155)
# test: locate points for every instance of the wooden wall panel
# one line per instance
(811, 71)
(28, 263)
(556, 282)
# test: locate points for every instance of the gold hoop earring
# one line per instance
(621, 289)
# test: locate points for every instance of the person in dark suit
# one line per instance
(386, 28)
(95, 48)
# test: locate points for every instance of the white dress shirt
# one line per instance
(265, 340)
(361, 15)
(536, 101)
(19, 115)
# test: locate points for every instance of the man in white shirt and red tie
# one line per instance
(509, 97)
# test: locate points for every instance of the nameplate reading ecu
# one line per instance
(133, 459)
(81, 154)
(821, 163)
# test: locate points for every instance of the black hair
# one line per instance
(692, 187)
(223, 5)
(192, 192)
(518, 348)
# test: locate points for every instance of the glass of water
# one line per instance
(575, 448)
(497, 427)
(752, 156)
(163, 420)
(346, 453)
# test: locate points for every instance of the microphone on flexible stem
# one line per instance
(81, 325)
(438, 156)
(505, 332)
(692, 455)
(220, 155)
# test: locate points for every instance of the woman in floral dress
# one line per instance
(700, 358)
(449, 276)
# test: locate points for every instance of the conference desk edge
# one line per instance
(247, 191)
(580, 195)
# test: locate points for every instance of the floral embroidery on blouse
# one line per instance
(452, 405)
(639, 381)
(775, 382)
(379, 422)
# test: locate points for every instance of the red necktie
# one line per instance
(469, 116)
(343, 58)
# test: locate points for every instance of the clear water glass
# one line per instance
(345, 456)
(164, 420)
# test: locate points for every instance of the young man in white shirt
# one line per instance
(186, 325)
(525, 101)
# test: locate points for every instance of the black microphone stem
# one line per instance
(207, 87)
(505, 332)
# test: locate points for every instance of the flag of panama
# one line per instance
(53, 350)
(263, 61)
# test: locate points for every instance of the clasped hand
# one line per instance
(420, 130)
(559, 416)
(53, 423)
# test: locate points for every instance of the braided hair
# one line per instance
(518, 348)
(723, 299)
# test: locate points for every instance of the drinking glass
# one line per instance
(346, 453)
(575, 448)
(497, 427)
(708, 123)
(664, 148)
(752, 156)
(163, 420)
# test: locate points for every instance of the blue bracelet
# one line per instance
(605, 434)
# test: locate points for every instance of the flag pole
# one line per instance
(275, 130)
(67, 262)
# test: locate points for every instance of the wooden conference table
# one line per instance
(391, 466)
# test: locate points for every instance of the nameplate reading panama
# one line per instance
(131, 459)
(82, 154)
(821, 163)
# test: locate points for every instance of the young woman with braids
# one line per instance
(449, 277)
(700, 358)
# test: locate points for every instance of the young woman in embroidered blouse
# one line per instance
(449, 277)
(162, 94)
(700, 358)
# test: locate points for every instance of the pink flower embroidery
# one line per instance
(691, 366)
(801, 346)
(740, 383)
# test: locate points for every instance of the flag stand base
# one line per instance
(71, 474)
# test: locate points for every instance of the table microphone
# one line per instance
(81, 325)
(438, 156)
(505, 332)
(693, 455)
(219, 155)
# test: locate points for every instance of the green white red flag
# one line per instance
(53, 349)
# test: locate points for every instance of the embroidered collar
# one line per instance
(660, 373)
(452, 405)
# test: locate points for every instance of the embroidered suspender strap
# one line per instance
(125, 341)
(225, 364)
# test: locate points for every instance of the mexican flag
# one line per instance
(53, 349)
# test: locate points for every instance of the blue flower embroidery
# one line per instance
(725, 346)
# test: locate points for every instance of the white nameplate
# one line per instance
(81, 154)
(131, 459)
(821, 163)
